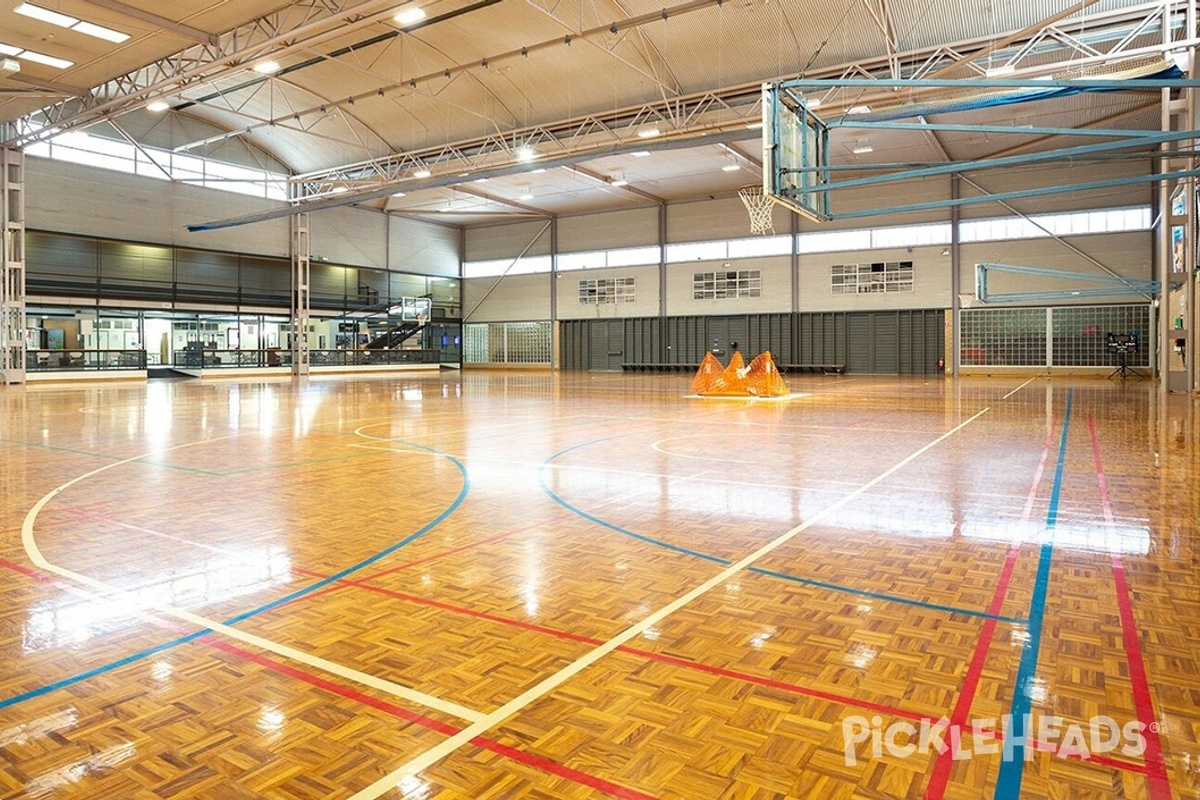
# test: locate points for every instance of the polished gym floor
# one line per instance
(523, 585)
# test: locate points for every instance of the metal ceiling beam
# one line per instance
(447, 73)
(1012, 38)
(297, 26)
(491, 198)
(605, 179)
(186, 31)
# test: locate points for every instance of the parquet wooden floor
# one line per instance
(518, 585)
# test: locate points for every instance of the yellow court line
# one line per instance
(316, 662)
(549, 684)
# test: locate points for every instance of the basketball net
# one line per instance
(760, 206)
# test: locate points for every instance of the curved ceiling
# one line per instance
(474, 80)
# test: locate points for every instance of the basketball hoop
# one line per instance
(760, 205)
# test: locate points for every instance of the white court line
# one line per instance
(352, 675)
(1019, 388)
(549, 684)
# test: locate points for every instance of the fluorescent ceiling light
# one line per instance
(538, 171)
(49, 61)
(641, 154)
(445, 210)
(72, 23)
(339, 190)
(753, 126)
(859, 110)
(100, 32)
(410, 15)
(730, 168)
(527, 196)
(421, 173)
(267, 67)
(862, 148)
(619, 182)
(813, 103)
(399, 194)
(526, 153)
(45, 15)
(1007, 69)
(481, 180)
(648, 133)
(158, 106)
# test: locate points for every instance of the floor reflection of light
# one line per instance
(22, 733)
(761, 638)
(161, 671)
(653, 634)
(413, 787)
(271, 719)
(157, 415)
(306, 412)
(78, 770)
(54, 624)
(1037, 692)
(860, 655)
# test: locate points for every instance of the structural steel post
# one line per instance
(301, 245)
(12, 258)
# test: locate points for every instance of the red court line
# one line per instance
(535, 761)
(966, 696)
(1158, 781)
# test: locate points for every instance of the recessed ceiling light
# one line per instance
(641, 154)
(267, 67)
(158, 106)
(410, 15)
(100, 32)
(648, 133)
(45, 15)
(49, 61)
(65, 21)
(859, 110)
(421, 173)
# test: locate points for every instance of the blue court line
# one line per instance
(726, 562)
(1012, 765)
(150, 651)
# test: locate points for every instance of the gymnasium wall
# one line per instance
(75, 199)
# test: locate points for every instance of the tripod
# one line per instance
(1123, 369)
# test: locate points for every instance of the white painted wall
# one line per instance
(931, 281)
(632, 227)
(516, 298)
(76, 199)
(72, 198)
(646, 292)
(776, 287)
(1127, 254)
(507, 241)
(422, 247)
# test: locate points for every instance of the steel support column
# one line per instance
(12, 259)
(955, 364)
(301, 249)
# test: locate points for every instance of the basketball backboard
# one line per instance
(795, 153)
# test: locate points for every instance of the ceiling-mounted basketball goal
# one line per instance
(797, 165)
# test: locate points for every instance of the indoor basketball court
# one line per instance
(587, 586)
